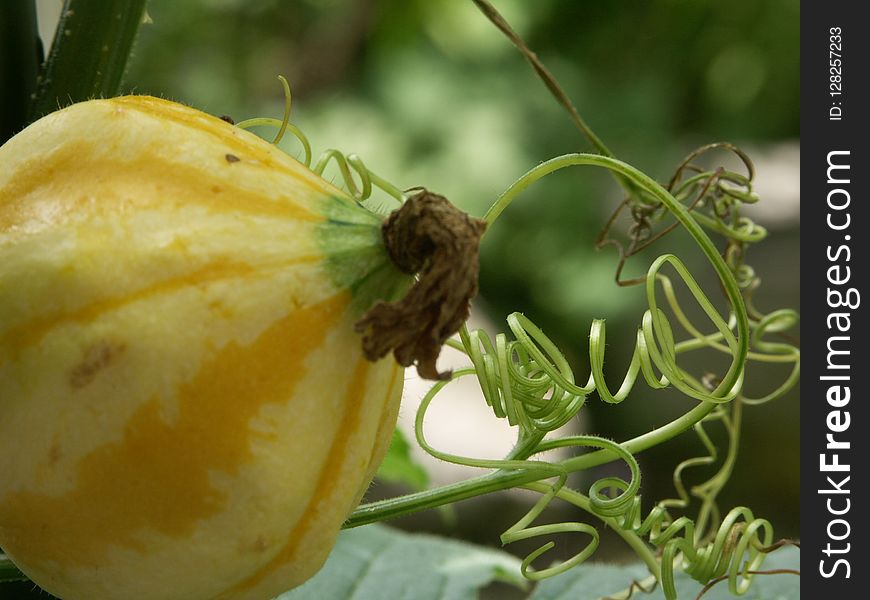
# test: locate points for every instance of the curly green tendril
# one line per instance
(526, 379)
(347, 164)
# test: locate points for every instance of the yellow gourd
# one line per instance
(185, 410)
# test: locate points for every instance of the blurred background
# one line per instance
(430, 93)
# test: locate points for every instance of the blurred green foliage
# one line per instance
(429, 93)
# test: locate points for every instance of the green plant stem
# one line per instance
(20, 57)
(91, 46)
(552, 84)
(711, 488)
(631, 538)
(544, 74)
(643, 181)
(9, 572)
(503, 479)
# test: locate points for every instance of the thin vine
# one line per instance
(528, 381)
(348, 164)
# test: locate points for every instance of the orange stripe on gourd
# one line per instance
(29, 333)
(326, 484)
(153, 184)
(386, 424)
(158, 476)
(49, 187)
(311, 538)
(265, 157)
(175, 342)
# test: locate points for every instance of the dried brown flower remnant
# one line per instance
(429, 237)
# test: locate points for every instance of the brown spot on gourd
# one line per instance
(171, 111)
(96, 357)
(232, 158)
(157, 476)
(54, 453)
(260, 544)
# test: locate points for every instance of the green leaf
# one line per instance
(8, 571)
(20, 56)
(594, 581)
(399, 467)
(379, 563)
(89, 53)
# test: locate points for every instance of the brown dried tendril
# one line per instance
(431, 238)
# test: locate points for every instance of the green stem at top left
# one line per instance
(20, 57)
(89, 53)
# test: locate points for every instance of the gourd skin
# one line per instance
(185, 411)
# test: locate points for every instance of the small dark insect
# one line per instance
(232, 158)
(227, 118)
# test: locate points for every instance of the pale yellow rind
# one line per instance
(184, 408)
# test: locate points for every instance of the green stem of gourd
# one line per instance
(89, 53)
(9, 572)
(630, 537)
(506, 479)
(20, 57)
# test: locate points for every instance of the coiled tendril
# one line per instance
(347, 165)
(528, 381)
